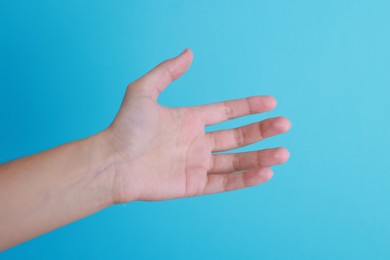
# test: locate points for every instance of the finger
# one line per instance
(234, 181)
(222, 111)
(225, 163)
(162, 75)
(223, 140)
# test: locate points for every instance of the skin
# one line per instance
(149, 153)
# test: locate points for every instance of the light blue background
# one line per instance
(64, 66)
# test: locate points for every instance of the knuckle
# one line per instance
(258, 159)
(239, 136)
(249, 104)
(261, 129)
(228, 110)
(225, 182)
(212, 163)
(172, 74)
(236, 162)
(213, 141)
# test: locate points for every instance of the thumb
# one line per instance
(156, 80)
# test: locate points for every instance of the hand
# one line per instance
(163, 153)
(149, 152)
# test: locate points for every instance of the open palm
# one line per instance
(164, 153)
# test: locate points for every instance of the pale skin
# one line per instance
(150, 152)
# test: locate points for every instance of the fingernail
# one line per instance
(183, 51)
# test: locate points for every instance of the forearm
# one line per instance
(47, 190)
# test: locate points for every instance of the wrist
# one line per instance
(101, 164)
(113, 169)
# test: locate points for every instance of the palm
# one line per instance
(166, 152)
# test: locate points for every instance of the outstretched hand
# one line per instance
(149, 152)
(163, 153)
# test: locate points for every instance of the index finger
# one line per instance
(226, 110)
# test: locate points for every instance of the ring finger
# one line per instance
(232, 162)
